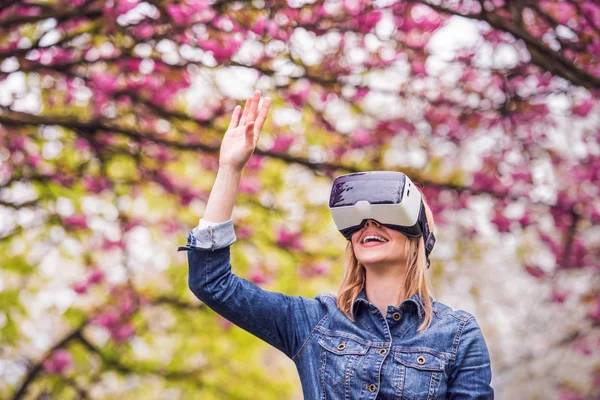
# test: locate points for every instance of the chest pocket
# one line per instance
(340, 357)
(419, 375)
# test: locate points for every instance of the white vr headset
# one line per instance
(388, 197)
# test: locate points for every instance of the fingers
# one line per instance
(251, 111)
(253, 106)
(249, 134)
(246, 109)
(249, 129)
(235, 117)
(262, 115)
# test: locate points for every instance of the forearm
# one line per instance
(222, 196)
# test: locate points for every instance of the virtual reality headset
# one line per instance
(388, 197)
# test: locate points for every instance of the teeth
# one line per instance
(374, 237)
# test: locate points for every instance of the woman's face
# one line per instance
(379, 255)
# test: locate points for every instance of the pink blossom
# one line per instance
(224, 323)
(502, 223)
(80, 287)
(554, 247)
(77, 221)
(313, 270)
(95, 277)
(6, 170)
(361, 92)
(18, 143)
(59, 362)
(559, 296)
(290, 240)
(259, 27)
(353, 7)
(338, 151)
(212, 163)
(583, 347)
(562, 218)
(418, 67)
(243, 232)
(107, 320)
(81, 144)
(122, 332)
(34, 160)
(464, 56)
(95, 184)
(367, 22)
(257, 276)
(583, 108)
(227, 50)
(61, 55)
(131, 64)
(568, 395)
(143, 31)
(127, 305)
(181, 15)
(562, 11)
(164, 95)
(123, 6)
(428, 22)
(525, 220)
(362, 138)
(109, 244)
(221, 51)
(170, 226)
(523, 176)
(105, 83)
(187, 194)
(255, 162)
(132, 222)
(483, 181)
(250, 185)
(535, 271)
(276, 32)
(63, 179)
(298, 98)
(577, 254)
(282, 143)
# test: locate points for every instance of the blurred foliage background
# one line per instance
(111, 116)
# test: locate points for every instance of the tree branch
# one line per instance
(34, 370)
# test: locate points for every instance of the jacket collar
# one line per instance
(414, 302)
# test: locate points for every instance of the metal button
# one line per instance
(372, 387)
(342, 346)
(381, 351)
(396, 316)
(421, 360)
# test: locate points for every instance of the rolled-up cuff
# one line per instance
(213, 237)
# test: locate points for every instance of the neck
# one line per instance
(385, 287)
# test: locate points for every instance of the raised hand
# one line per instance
(242, 134)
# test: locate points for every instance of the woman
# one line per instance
(382, 337)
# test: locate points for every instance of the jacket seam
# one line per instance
(457, 339)
(310, 336)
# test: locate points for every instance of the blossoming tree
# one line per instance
(111, 115)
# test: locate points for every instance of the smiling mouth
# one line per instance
(372, 243)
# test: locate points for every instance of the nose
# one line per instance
(371, 222)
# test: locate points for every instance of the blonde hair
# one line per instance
(416, 279)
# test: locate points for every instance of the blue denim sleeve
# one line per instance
(283, 321)
(471, 373)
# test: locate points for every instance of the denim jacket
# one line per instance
(376, 357)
